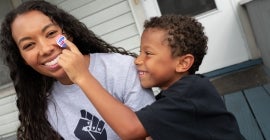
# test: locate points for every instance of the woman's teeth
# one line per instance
(53, 62)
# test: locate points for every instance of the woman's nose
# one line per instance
(45, 47)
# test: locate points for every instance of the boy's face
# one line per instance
(155, 64)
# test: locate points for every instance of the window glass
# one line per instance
(186, 7)
(5, 7)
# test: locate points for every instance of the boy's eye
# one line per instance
(148, 53)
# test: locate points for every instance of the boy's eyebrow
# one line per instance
(42, 30)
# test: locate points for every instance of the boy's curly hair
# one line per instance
(185, 36)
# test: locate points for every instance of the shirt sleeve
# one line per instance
(136, 97)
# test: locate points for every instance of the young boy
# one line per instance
(188, 107)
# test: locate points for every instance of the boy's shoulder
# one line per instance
(194, 80)
(192, 84)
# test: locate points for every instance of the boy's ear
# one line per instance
(184, 63)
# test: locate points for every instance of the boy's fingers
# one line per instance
(72, 47)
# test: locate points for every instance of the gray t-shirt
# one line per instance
(73, 116)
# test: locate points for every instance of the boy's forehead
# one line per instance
(154, 39)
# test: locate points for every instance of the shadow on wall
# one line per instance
(4, 74)
(9, 138)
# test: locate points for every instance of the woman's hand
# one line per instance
(74, 63)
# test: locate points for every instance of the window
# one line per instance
(5, 7)
(186, 7)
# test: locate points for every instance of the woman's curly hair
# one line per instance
(184, 34)
(31, 87)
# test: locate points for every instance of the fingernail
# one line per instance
(60, 40)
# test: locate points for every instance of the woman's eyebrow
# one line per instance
(42, 30)
(24, 38)
(46, 27)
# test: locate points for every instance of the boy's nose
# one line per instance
(138, 61)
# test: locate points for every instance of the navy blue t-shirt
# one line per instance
(191, 109)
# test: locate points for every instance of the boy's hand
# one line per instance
(73, 62)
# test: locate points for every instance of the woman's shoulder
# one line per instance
(112, 57)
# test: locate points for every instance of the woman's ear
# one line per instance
(184, 63)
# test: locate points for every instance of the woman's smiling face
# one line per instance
(35, 35)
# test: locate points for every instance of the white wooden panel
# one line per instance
(106, 14)
(9, 118)
(130, 43)
(9, 129)
(93, 7)
(112, 20)
(8, 108)
(8, 99)
(121, 34)
(69, 5)
(55, 1)
(8, 111)
(114, 24)
(6, 90)
(137, 51)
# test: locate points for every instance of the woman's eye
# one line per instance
(27, 46)
(52, 34)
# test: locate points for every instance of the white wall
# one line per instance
(248, 34)
(112, 20)
(230, 38)
(8, 111)
(227, 45)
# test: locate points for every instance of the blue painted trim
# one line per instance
(233, 68)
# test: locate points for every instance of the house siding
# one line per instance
(111, 20)
(8, 111)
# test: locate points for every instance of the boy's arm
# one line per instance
(122, 119)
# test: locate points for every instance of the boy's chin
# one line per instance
(146, 85)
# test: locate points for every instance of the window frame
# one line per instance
(151, 9)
